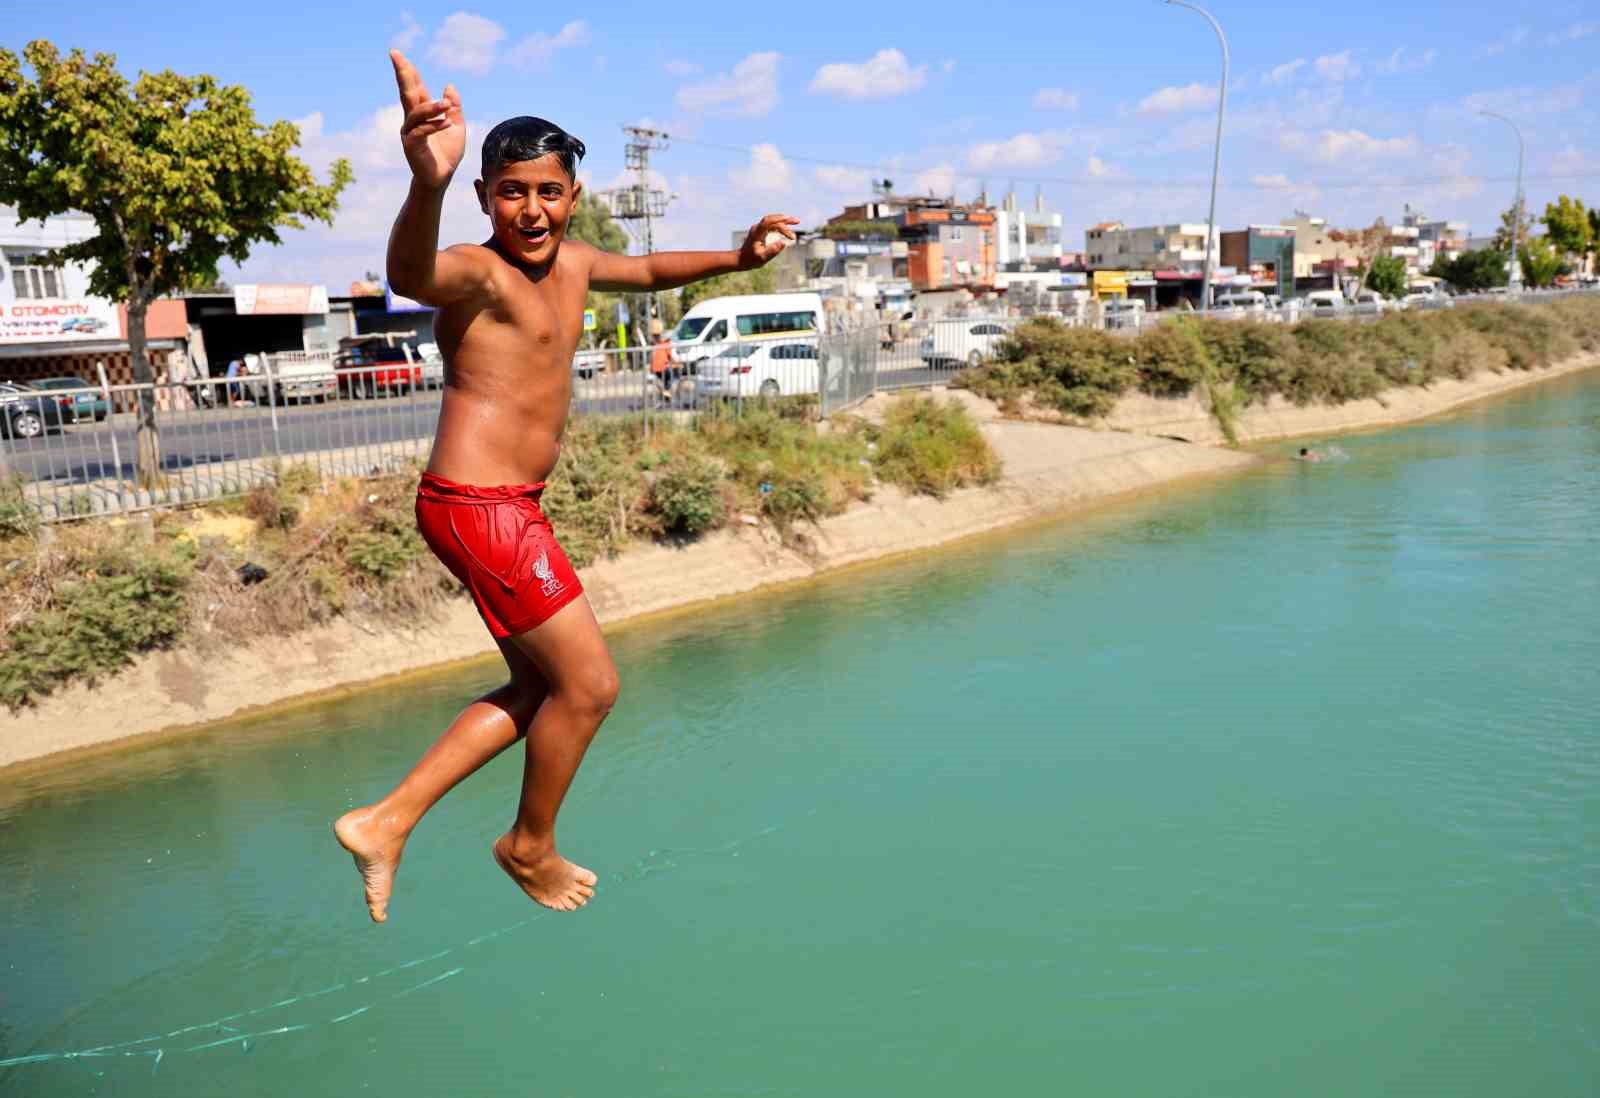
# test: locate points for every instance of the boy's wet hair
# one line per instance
(529, 138)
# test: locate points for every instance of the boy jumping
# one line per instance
(509, 317)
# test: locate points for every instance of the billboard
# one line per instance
(64, 320)
(279, 299)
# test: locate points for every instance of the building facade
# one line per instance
(51, 326)
(1111, 245)
(1264, 255)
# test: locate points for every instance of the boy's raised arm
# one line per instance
(434, 136)
(669, 270)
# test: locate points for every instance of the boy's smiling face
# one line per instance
(529, 203)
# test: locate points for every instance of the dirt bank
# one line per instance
(1048, 469)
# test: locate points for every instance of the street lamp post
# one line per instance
(1514, 276)
(1216, 156)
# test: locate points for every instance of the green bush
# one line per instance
(18, 517)
(1081, 373)
(932, 447)
(687, 496)
(1075, 371)
(125, 599)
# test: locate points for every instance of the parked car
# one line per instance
(1325, 303)
(87, 402)
(26, 412)
(713, 322)
(295, 375)
(960, 341)
(588, 363)
(1370, 303)
(1241, 305)
(370, 365)
(432, 365)
(1426, 296)
(759, 369)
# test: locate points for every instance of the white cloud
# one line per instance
(937, 180)
(1399, 62)
(682, 68)
(884, 74)
(357, 240)
(406, 37)
(1337, 67)
(1025, 150)
(1516, 38)
(855, 181)
(1574, 32)
(468, 42)
(1099, 169)
(1284, 72)
(1528, 101)
(1058, 99)
(1191, 97)
(536, 50)
(1572, 160)
(767, 171)
(750, 90)
(1338, 145)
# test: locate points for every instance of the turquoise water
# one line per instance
(1279, 785)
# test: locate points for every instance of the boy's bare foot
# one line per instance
(545, 875)
(376, 850)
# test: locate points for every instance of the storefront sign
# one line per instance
(63, 321)
(280, 298)
(398, 303)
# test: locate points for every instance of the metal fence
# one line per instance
(76, 450)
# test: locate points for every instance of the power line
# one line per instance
(1377, 182)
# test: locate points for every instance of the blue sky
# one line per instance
(1348, 110)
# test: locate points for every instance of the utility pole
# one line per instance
(637, 206)
(1216, 155)
(1514, 274)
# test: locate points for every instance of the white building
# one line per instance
(50, 325)
(1182, 247)
(1435, 239)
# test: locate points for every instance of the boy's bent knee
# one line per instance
(595, 692)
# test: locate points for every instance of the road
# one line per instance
(97, 451)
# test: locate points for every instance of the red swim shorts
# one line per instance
(498, 542)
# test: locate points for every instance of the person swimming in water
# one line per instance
(1309, 455)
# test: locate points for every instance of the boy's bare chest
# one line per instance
(546, 316)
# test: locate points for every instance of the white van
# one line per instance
(1326, 303)
(712, 324)
(1240, 304)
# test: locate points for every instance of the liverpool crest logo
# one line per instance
(549, 586)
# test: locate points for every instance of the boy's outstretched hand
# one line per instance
(756, 251)
(434, 133)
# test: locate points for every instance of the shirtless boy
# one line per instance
(509, 317)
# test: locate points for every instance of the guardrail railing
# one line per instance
(77, 451)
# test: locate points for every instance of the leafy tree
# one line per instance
(1518, 214)
(1567, 224)
(1388, 275)
(1480, 270)
(761, 280)
(1541, 262)
(1367, 244)
(1594, 229)
(175, 171)
(593, 224)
